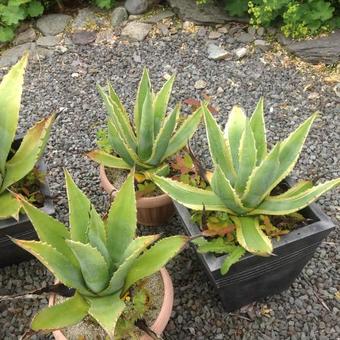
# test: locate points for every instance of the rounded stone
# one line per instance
(118, 16)
(139, 6)
(53, 24)
(25, 37)
(136, 30)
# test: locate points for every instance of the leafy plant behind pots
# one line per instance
(245, 175)
(15, 165)
(100, 259)
(148, 142)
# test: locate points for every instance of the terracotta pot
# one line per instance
(163, 317)
(151, 211)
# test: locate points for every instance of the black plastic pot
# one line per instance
(22, 229)
(255, 277)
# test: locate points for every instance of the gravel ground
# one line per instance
(309, 309)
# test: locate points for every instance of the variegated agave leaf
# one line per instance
(14, 167)
(100, 259)
(245, 175)
(152, 138)
(10, 99)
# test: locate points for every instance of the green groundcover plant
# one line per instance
(15, 165)
(12, 12)
(296, 18)
(242, 184)
(152, 138)
(100, 258)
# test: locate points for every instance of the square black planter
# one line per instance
(21, 229)
(255, 277)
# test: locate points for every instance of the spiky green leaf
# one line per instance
(289, 204)
(146, 132)
(251, 237)
(223, 189)
(162, 170)
(291, 148)
(79, 207)
(144, 88)
(92, 264)
(233, 131)
(163, 138)
(261, 179)
(218, 146)
(183, 134)
(139, 242)
(10, 98)
(153, 259)
(296, 189)
(96, 225)
(97, 235)
(57, 263)
(135, 248)
(247, 158)
(49, 230)
(29, 152)
(65, 314)
(288, 155)
(114, 97)
(161, 103)
(125, 128)
(106, 311)
(105, 159)
(259, 130)
(121, 222)
(119, 116)
(189, 196)
(118, 144)
(9, 206)
(125, 117)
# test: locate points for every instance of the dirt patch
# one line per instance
(88, 329)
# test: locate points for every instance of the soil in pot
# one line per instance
(116, 177)
(213, 223)
(30, 187)
(150, 290)
(145, 189)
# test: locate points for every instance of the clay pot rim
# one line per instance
(142, 202)
(164, 314)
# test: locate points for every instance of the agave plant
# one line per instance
(153, 137)
(16, 165)
(100, 259)
(246, 173)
